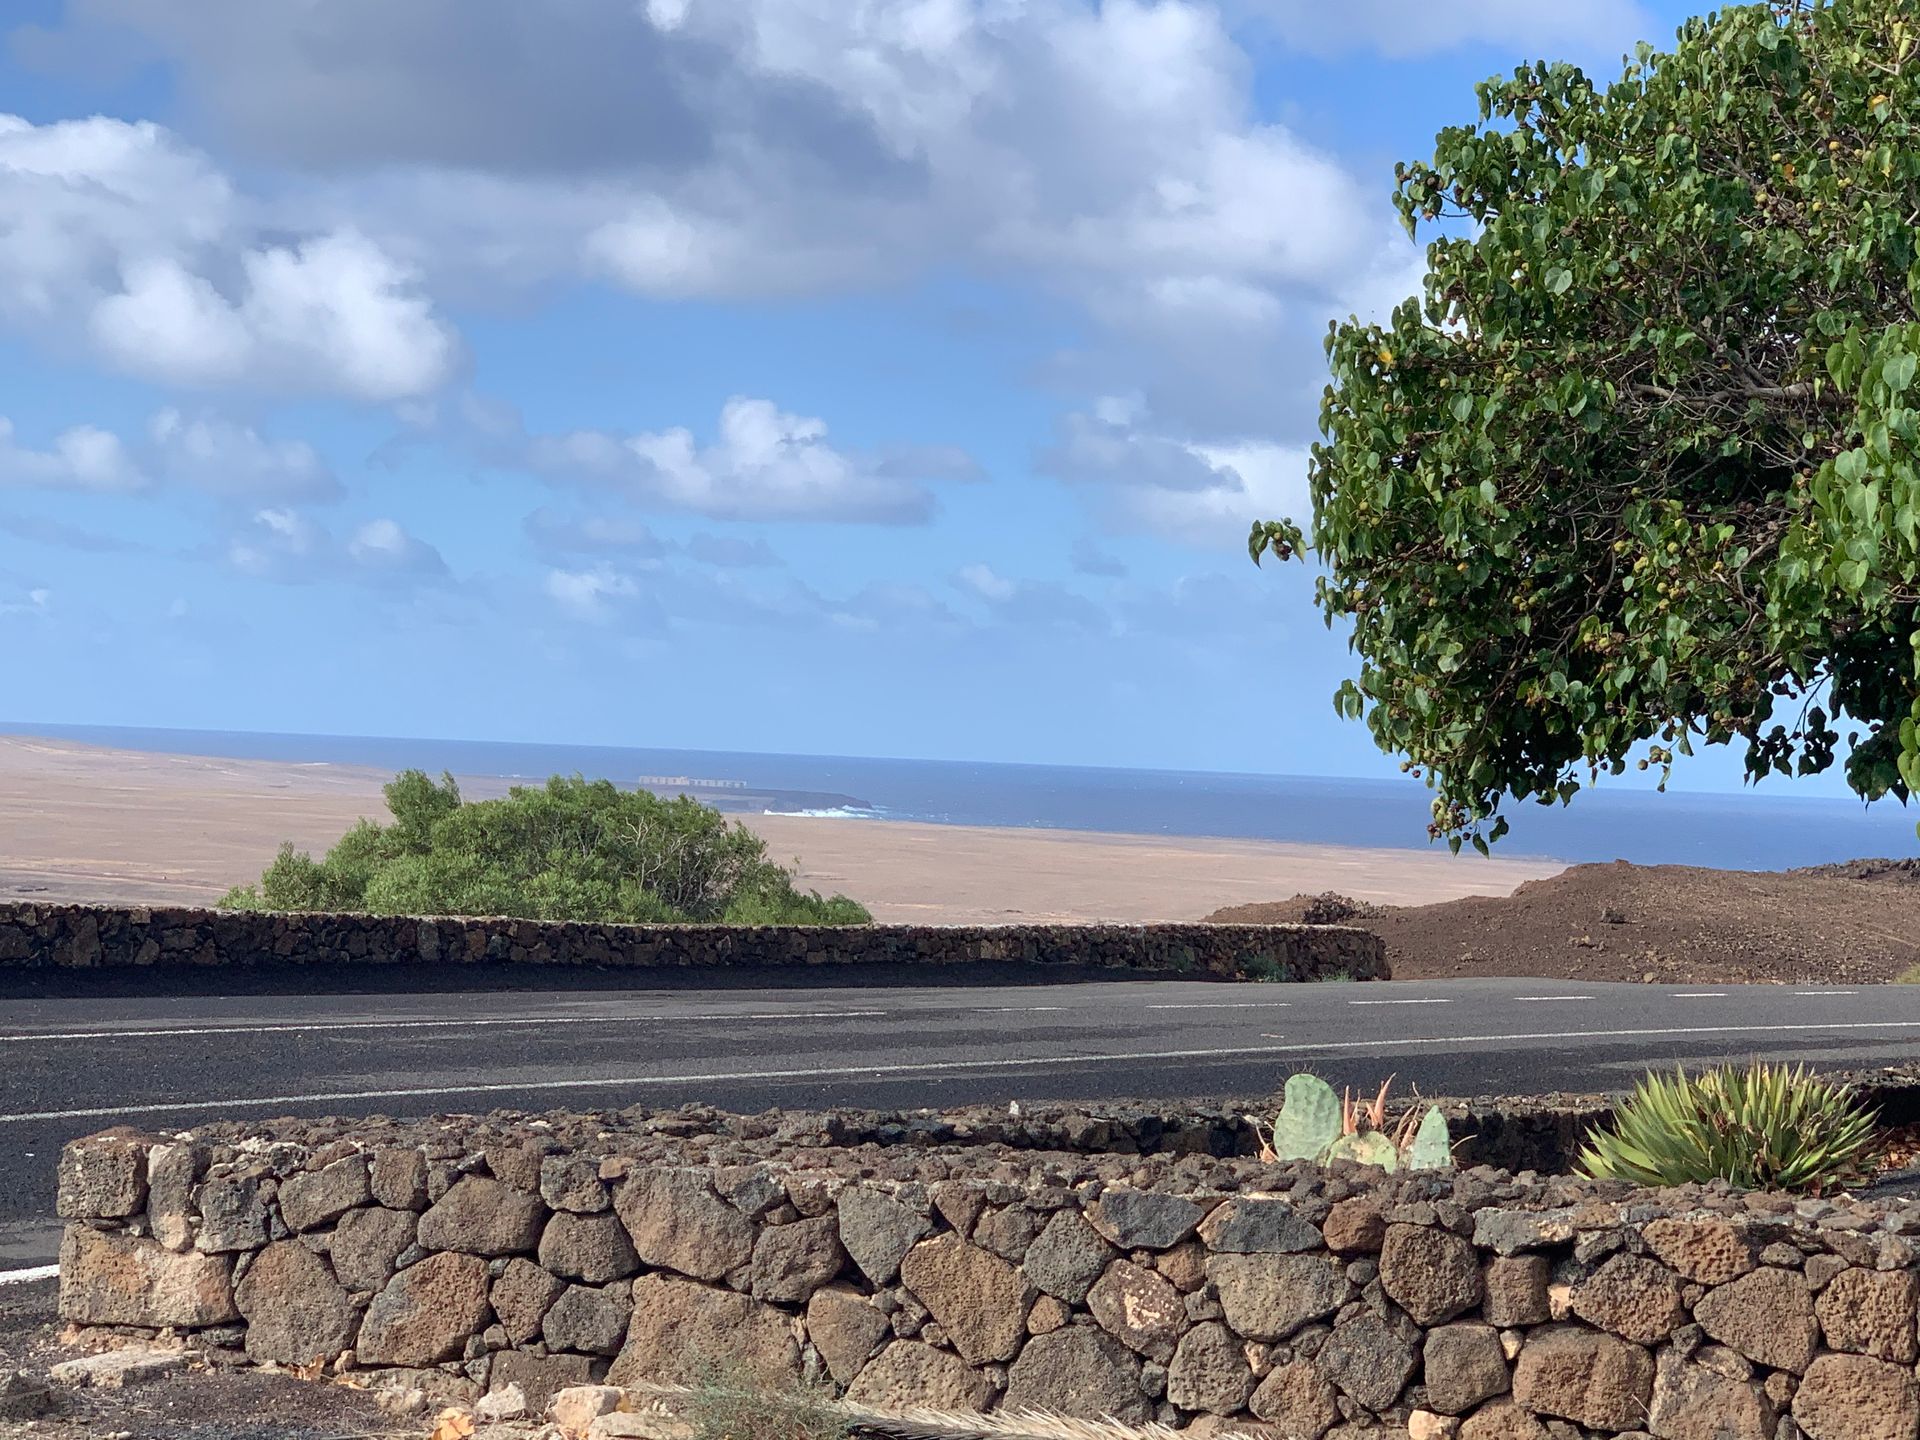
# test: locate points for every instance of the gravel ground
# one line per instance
(232, 1405)
(1857, 923)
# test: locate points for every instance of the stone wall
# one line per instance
(101, 936)
(464, 1253)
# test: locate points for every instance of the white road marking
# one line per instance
(1699, 995)
(1826, 992)
(1400, 1002)
(935, 1066)
(24, 1277)
(1537, 999)
(477, 1023)
(1230, 1005)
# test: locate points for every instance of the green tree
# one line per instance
(571, 850)
(1638, 471)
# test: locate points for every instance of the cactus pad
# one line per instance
(1372, 1148)
(1309, 1119)
(1432, 1147)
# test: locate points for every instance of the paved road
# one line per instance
(131, 1050)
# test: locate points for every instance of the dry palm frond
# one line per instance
(923, 1424)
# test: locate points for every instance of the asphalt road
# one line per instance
(103, 1050)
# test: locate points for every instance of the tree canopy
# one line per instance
(570, 850)
(1638, 470)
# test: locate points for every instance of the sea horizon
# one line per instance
(1749, 830)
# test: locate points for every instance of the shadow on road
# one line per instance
(348, 979)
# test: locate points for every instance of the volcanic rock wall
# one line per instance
(122, 937)
(464, 1253)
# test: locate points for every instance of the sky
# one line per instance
(885, 377)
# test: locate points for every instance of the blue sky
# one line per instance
(889, 377)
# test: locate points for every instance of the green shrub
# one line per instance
(568, 850)
(1763, 1127)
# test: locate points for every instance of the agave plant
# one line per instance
(1763, 1127)
(1315, 1124)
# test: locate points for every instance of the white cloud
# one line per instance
(34, 602)
(983, 582)
(276, 544)
(1205, 494)
(1593, 30)
(1112, 153)
(207, 453)
(121, 233)
(82, 458)
(382, 547)
(236, 462)
(589, 594)
(280, 543)
(1028, 602)
(763, 464)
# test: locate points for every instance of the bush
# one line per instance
(571, 850)
(1762, 1128)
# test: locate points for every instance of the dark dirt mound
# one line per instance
(1857, 922)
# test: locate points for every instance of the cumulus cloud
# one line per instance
(280, 543)
(81, 458)
(590, 594)
(201, 452)
(1028, 602)
(235, 462)
(784, 146)
(763, 464)
(1400, 29)
(123, 234)
(1194, 493)
(37, 601)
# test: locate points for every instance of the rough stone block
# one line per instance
(113, 1278)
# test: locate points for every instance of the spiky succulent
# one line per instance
(1760, 1127)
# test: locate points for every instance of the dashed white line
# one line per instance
(25, 1277)
(477, 1023)
(1230, 1005)
(1826, 992)
(1538, 999)
(1435, 1001)
(1699, 995)
(935, 1066)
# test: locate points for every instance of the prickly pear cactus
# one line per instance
(1432, 1147)
(1371, 1148)
(1309, 1119)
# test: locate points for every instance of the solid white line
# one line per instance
(1400, 1002)
(935, 1066)
(328, 1025)
(1699, 995)
(23, 1277)
(1230, 1005)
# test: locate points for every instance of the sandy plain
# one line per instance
(84, 823)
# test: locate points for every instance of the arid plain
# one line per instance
(83, 823)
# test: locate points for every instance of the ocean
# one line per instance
(1757, 830)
